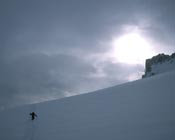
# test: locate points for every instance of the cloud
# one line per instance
(39, 74)
(35, 77)
(51, 49)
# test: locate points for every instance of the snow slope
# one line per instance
(140, 110)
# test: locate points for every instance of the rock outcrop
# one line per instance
(157, 60)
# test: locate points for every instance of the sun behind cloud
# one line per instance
(131, 48)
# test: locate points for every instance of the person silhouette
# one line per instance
(33, 115)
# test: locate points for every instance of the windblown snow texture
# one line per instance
(140, 110)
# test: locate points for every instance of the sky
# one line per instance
(51, 49)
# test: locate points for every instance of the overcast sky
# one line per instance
(55, 48)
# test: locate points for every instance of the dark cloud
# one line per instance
(46, 47)
(32, 74)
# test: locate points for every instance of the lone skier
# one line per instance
(33, 115)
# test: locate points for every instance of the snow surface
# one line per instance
(140, 110)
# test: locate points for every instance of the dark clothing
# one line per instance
(33, 115)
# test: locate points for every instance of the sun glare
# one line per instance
(132, 49)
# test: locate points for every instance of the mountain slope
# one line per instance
(140, 110)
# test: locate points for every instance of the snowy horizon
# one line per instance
(139, 110)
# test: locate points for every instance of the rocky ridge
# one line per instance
(162, 62)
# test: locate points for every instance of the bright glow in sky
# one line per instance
(49, 50)
(131, 48)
